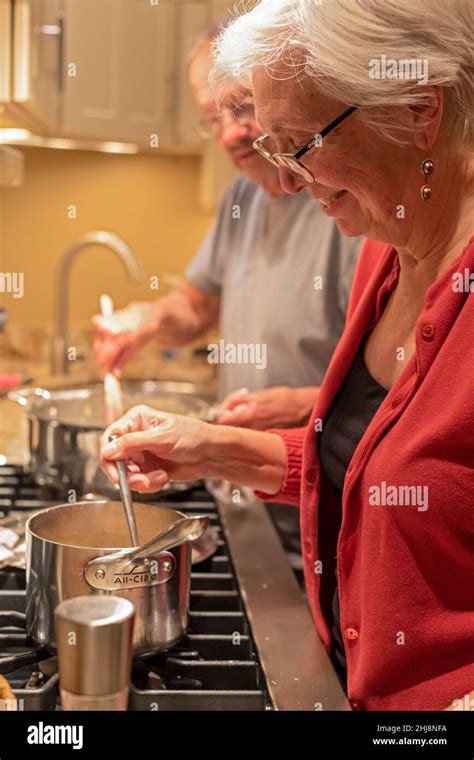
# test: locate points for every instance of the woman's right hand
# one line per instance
(118, 337)
(157, 447)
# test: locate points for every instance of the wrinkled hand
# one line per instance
(271, 407)
(157, 447)
(119, 337)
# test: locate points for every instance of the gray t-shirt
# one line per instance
(284, 273)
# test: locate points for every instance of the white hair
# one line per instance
(335, 42)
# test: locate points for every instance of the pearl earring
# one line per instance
(427, 168)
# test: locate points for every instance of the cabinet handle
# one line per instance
(52, 31)
(61, 22)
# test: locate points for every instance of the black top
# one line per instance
(346, 422)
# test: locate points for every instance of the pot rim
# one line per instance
(35, 399)
(108, 549)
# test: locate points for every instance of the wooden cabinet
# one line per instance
(193, 18)
(129, 61)
(5, 52)
(120, 65)
(37, 68)
(105, 70)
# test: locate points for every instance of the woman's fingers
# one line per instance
(148, 482)
(156, 446)
(110, 470)
(138, 443)
(138, 418)
(128, 444)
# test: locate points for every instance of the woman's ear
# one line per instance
(426, 118)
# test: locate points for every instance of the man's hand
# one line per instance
(119, 337)
(272, 407)
(172, 321)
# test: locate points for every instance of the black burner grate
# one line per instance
(215, 667)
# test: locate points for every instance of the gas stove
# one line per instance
(214, 668)
(250, 644)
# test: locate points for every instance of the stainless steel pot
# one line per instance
(66, 547)
(64, 428)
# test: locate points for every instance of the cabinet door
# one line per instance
(121, 57)
(5, 50)
(193, 20)
(37, 60)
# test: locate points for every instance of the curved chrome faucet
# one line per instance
(59, 363)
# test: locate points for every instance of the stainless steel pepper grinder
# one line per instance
(94, 636)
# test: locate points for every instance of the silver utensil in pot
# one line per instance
(126, 496)
(84, 549)
(113, 410)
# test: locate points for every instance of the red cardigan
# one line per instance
(406, 573)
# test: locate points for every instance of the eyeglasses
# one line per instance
(291, 162)
(213, 125)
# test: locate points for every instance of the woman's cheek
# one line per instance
(333, 172)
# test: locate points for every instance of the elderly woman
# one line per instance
(369, 104)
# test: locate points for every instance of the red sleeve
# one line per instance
(371, 256)
(290, 490)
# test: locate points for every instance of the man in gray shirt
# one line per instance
(274, 274)
(283, 274)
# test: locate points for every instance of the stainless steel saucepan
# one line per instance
(84, 548)
(64, 428)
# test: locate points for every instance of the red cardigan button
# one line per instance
(428, 332)
(351, 633)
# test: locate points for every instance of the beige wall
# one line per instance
(2, 268)
(149, 201)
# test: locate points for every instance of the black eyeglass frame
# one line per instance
(291, 161)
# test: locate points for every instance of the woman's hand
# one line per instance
(272, 407)
(118, 337)
(159, 447)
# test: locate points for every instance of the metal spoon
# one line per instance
(126, 497)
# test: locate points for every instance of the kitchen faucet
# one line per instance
(59, 362)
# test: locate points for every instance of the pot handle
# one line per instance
(102, 572)
(22, 396)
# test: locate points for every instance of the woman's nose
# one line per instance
(290, 184)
